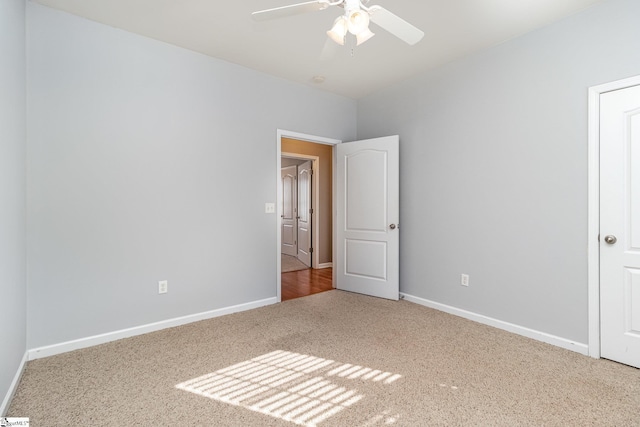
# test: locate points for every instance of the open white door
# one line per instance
(620, 225)
(305, 174)
(367, 206)
(289, 206)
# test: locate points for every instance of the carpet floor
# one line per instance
(331, 359)
(291, 263)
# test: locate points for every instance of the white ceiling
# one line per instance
(297, 48)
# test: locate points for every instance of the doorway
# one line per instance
(318, 278)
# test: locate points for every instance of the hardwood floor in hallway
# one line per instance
(302, 283)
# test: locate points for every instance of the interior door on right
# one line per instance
(620, 225)
(305, 177)
(367, 208)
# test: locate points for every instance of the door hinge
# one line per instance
(310, 250)
(310, 211)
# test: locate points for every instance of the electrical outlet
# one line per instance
(163, 287)
(464, 279)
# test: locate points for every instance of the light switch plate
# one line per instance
(163, 287)
(269, 208)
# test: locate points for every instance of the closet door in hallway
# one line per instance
(305, 177)
(289, 204)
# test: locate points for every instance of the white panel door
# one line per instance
(305, 176)
(289, 203)
(367, 234)
(620, 226)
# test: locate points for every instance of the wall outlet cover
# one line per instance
(464, 279)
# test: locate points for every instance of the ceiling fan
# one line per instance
(355, 19)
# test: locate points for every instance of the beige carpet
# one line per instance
(291, 263)
(331, 359)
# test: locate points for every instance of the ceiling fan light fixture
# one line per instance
(363, 36)
(355, 19)
(338, 31)
(358, 21)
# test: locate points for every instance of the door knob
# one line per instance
(392, 226)
(610, 239)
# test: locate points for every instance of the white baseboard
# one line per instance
(14, 386)
(325, 265)
(510, 327)
(51, 350)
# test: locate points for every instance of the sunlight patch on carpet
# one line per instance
(294, 387)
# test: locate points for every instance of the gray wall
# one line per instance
(130, 183)
(494, 169)
(13, 328)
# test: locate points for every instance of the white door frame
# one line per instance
(315, 223)
(281, 133)
(593, 244)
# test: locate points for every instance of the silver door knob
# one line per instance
(392, 226)
(610, 239)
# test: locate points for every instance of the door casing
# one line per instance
(593, 244)
(281, 133)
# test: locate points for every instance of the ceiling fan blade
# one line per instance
(293, 9)
(395, 25)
